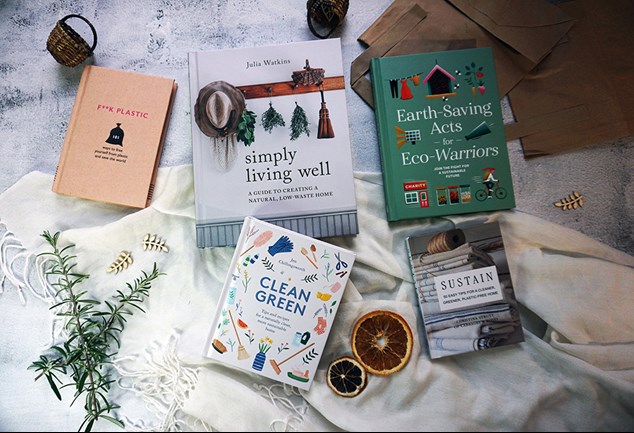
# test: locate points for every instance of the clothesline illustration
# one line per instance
(440, 82)
(415, 77)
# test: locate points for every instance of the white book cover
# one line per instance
(271, 140)
(278, 303)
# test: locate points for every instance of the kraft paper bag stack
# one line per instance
(565, 67)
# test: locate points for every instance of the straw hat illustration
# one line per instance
(217, 112)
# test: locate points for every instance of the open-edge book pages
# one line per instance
(270, 140)
(278, 303)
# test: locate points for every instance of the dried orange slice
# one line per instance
(346, 377)
(382, 342)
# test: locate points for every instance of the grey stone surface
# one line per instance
(154, 36)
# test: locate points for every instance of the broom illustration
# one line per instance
(242, 352)
(324, 129)
(259, 241)
(276, 365)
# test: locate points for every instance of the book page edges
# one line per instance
(159, 151)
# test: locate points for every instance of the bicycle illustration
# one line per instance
(497, 192)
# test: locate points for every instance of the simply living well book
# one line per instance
(270, 140)
(441, 136)
(278, 303)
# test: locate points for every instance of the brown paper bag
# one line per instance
(401, 39)
(583, 92)
(567, 68)
(435, 25)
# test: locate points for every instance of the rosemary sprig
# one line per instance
(85, 355)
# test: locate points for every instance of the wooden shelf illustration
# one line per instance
(289, 88)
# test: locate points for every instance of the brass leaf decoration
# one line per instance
(572, 201)
(154, 242)
(123, 261)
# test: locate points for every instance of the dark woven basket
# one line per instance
(308, 76)
(328, 13)
(67, 46)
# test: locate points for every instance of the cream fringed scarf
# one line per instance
(575, 370)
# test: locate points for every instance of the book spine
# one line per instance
(222, 300)
(383, 137)
(83, 82)
(412, 267)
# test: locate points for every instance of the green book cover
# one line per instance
(441, 135)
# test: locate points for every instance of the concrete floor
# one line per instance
(154, 36)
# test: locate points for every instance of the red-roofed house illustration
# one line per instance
(440, 83)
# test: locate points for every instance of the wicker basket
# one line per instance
(308, 76)
(67, 46)
(328, 13)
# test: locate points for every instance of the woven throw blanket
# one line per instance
(574, 372)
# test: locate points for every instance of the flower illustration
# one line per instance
(265, 344)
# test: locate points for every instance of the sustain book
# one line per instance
(464, 289)
(278, 303)
(441, 137)
(270, 140)
(115, 136)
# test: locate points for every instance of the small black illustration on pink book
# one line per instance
(116, 136)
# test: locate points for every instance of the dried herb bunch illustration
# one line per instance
(93, 335)
(299, 123)
(272, 118)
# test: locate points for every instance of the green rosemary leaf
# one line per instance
(77, 395)
(114, 421)
(59, 350)
(80, 383)
(132, 304)
(63, 250)
(91, 421)
(53, 386)
(114, 338)
(103, 398)
(59, 304)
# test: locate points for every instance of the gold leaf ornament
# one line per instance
(154, 242)
(123, 261)
(572, 201)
